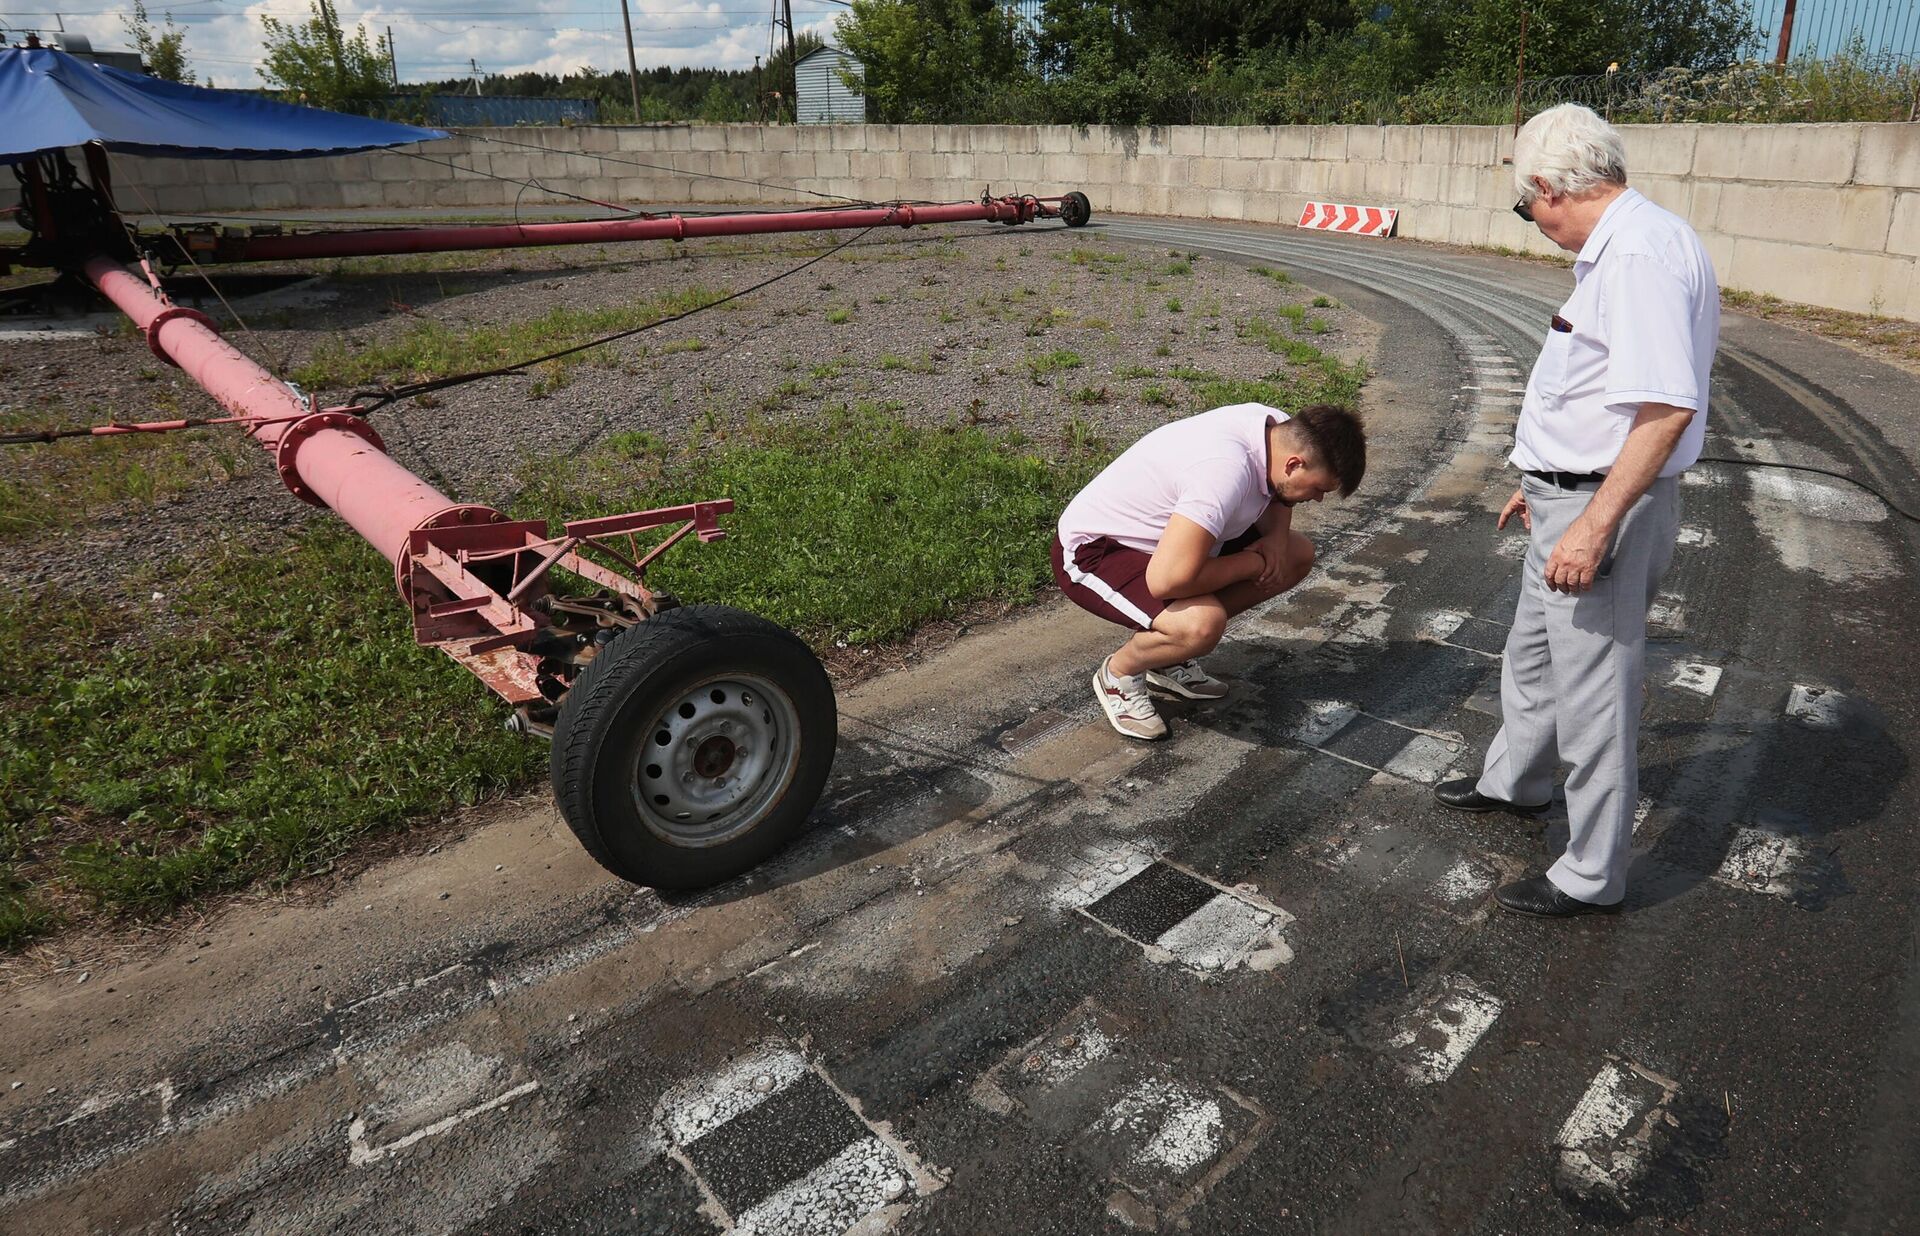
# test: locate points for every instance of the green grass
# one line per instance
(274, 709)
(921, 364)
(1323, 302)
(271, 710)
(1157, 397)
(1173, 304)
(56, 485)
(1045, 363)
(433, 349)
(1268, 272)
(1309, 376)
(839, 317)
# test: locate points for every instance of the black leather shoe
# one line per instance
(1542, 898)
(1462, 796)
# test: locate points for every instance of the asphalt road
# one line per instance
(1027, 977)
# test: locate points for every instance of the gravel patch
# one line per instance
(1042, 330)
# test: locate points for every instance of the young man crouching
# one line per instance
(1190, 526)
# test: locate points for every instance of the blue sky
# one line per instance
(435, 38)
(1826, 25)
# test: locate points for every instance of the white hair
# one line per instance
(1571, 149)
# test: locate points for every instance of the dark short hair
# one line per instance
(1336, 439)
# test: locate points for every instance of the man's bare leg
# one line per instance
(1192, 626)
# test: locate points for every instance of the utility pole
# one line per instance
(475, 66)
(759, 98)
(1786, 37)
(633, 69)
(393, 65)
(793, 60)
(1520, 72)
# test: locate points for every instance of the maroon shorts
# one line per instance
(1109, 580)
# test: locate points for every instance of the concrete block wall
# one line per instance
(1824, 214)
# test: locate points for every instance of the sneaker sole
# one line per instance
(1166, 686)
(1100, 694)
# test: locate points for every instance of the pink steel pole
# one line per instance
(330, 458)
(601, 231)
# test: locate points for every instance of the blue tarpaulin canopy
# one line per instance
(50, 101)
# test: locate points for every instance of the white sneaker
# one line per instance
(1128, 706)
(1188, 681)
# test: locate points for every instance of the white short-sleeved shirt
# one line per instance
(1211, 468)
(1645, 320)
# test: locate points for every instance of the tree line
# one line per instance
(1256, 61)
(718, 96)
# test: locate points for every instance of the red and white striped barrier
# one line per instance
(1361, 220)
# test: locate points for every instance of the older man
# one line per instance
(1615, 410)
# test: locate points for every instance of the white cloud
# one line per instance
(434, 39)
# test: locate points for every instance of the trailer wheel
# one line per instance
(693, 747)
(1076, 209)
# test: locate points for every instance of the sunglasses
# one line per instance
(1523, 210)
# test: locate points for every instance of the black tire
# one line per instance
(1076, 209)
(631, 734)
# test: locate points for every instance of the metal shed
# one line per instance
(821, 95)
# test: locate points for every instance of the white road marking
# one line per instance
(1425, 759)
(1818, 498)
(1325, 718)
(872, 1180)
(1760, 861)
(1819, 708)
(1446, 1027)
(359, 1153)
(1464, 881)
(1699, 678)
(1181, 1127)
(1667, 613)
(1056, 1059)
(1099, 869)
(1226, 933)
(694, 1108)
(863, 1178)
(1606, 1140)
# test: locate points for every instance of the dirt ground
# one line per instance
(1041, 329)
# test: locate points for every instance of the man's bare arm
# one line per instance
(1657, 429)
(1180, 566)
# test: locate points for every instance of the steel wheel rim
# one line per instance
(715, 759)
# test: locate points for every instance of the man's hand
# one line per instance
(1516, 505)
(1273, 552)
(1575, 561)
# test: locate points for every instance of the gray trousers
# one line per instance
(1571, 686)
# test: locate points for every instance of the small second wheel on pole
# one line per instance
(694, 746)
(1076, 209)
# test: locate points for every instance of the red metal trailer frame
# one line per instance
(478, 584)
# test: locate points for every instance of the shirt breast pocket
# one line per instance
(1550, 372)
